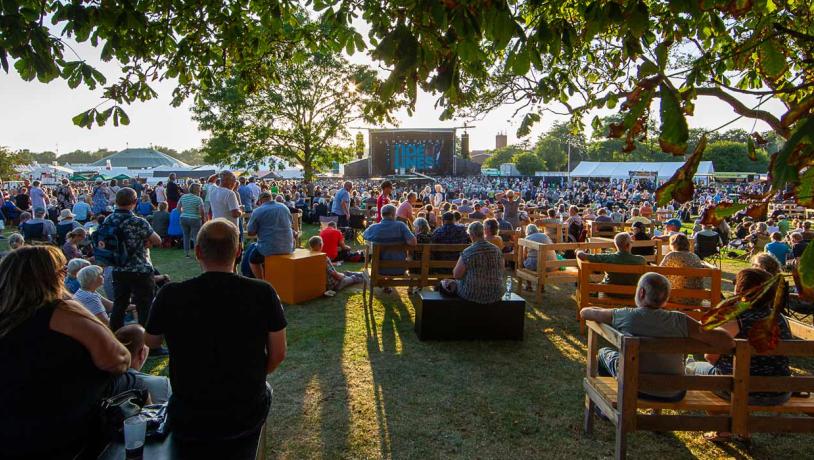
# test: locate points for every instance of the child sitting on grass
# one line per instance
(336, 281)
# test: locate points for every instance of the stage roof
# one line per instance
(614, 169)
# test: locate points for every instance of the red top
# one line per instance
(380, 201)
(331, 238)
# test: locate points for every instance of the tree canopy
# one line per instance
(303, 117)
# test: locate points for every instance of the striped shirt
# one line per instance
(92, 301)
(191, 205)
(483, 279)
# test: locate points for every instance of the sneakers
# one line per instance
(330, 293)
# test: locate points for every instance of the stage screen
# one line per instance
(426, 151)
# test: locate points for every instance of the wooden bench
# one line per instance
(560, 231)
(549, 271)
(512, 236)
(592, 293)
(604, 229)
(618, 399)
(656, 244)
(450, 318)
(418, 266)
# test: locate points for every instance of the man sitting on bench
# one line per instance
(649, 319)
(622, 256)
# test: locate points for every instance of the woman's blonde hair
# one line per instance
(44, 268)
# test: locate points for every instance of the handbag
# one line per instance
(119, 407)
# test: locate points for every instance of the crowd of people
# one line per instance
(93, 302)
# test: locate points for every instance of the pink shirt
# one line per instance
(405, 211)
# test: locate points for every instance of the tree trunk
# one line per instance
(307, 170)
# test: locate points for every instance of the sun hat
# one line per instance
(65, 214)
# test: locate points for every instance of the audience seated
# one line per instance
(90, 280)
(422, 229)
(778, 248)
(38, 228)
(639, 233)
(51, 406)
(132, 337)
(333, 242)
(650, 319)
(681, 257)
(336, 281)
(479, 271)
(74, 265)
(767, 262)
(390, 231)
(622, 256)
(635, 216)
(491, 231)
(534, 234)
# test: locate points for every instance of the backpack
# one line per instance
(108, 244)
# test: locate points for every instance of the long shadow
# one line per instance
(311, 387)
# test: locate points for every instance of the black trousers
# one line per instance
(139, 286)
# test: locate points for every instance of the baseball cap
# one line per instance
(673, 222)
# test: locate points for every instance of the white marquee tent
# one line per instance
(622, 170)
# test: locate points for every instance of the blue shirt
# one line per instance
(71, 284)
(246, 197)
(272, 224)
(341, 196)
(390, 231)
(81, 210)
(779, 249)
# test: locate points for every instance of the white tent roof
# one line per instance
(614, 169)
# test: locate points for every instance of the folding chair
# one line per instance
(709, 247)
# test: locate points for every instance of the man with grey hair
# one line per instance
(650, 319)
(534, 234)
(390, 231)
(223, 199)
(271, 222)
(39, 228)
(479, 271)
(340, 206)
(622, 256)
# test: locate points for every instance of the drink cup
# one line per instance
(135, 429)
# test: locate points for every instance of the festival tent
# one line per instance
(79, 178)
(623, 170)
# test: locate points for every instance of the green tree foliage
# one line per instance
(502, 155)
(528, 163)
(728, 155)
(9, 161)
(301, 118)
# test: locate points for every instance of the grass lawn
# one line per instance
(357, 383)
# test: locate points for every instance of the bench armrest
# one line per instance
(607, 332)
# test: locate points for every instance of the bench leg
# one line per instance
(621, 441)
(588, 423)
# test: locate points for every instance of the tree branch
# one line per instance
(741, 109)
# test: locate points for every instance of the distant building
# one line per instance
(501, 140)
(140, 159)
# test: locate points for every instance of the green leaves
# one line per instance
(87, 118)
(806, 268)
(674, 129)
(528, 121)
(796, 154)
(715, 214)
(680, 187)
(772, 60)
(76, 72)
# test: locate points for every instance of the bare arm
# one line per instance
(105, 351)
(600, 315)
(459, 270)
(235, 213)
(276, 345)
(718, 337)
(154, 239)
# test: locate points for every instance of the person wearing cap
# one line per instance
(67, 222)
(28, 228)
(450, 232)
(272, 223)
(671, 227)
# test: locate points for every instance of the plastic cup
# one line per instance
(135, 430)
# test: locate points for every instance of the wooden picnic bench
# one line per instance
(617, 398)
(554, 270)
(417, 268)
(592, 293)
(605, 229)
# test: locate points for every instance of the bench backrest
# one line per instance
(592, 293)
(605, 229)
(524, 245)
(738, 420)
(418, 266)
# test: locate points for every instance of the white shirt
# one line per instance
(223, 201)
(160, 196)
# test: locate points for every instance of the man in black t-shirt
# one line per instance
(225, 333)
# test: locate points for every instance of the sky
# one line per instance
(37, 116)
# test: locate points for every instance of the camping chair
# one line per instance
(323, 221)
(34, 232)
(709, 246)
